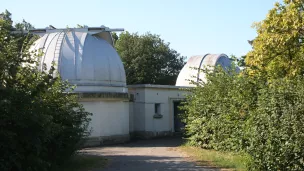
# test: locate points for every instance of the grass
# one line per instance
(83, 162)
(204, 157)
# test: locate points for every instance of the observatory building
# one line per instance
(189, 74)
(86, 57)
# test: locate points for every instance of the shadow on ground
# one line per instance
(152, 163)
(157, 142)
(147, 155)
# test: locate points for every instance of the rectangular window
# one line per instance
(157, 108)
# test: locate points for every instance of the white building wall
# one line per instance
(145, 97)
(138, 109)
(165, 97)
(131, 116)
(139, 116)
(110, 118)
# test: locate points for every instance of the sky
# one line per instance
(192, 27)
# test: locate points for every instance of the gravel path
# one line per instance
(147, 155)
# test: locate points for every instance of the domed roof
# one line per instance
(84, 59)
(189, 74)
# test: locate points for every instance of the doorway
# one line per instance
(178, 124)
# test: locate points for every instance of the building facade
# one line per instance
(86, 58)
(153, 110)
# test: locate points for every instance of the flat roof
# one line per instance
(156, 86)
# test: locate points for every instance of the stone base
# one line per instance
(150, 134)
(106, 140)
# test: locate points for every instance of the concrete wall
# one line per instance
(131, 116)
(138, 109)
(146, 122)
(110, 121)
(115, 117)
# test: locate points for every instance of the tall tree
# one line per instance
(148, 59)
(81, 26)
(24, 25)
(41, 123)
(115, 37)
(7, 16)
(278, 49)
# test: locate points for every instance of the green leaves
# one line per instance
(216, 110)
(148, 59)
(260, 111)
(278, 48)
(41, 124)
(276, 127)
(241, 113)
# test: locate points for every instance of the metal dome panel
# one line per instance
(82, 58)
(189, 74)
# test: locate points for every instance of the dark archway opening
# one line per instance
(178, 124)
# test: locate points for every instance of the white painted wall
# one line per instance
(109, 117)
(145, 97)
(138, 110)
(164, 97)
(131, 116)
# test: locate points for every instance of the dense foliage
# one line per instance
(41, 124)
(276, 126)
(216, 111)
(239, 113)
(148, 59)
(258, 112)
(278, 49)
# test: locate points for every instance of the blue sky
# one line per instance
(192, 27)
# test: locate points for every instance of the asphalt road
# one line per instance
(147, 155)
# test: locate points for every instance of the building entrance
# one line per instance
(178, 124)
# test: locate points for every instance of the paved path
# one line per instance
(147, 155)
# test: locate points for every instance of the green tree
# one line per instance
(263, 121)
(260, 114)
(81, 26)
(275, 128)
(41, 123)
(215, 115)
(278, 49)
(24, 25)
(148, 59)
(6, 15)
(115, 37)
(239, 61)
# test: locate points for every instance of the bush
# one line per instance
(241, 113)
(216, 111)
(41, 123)
(276, 127)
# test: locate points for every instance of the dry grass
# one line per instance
(226, 161)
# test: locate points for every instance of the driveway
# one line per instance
(147, 155)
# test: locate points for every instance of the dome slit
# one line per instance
(57, 50)
(45, 52)
(200, 66)
(81, 45)
(185, 77)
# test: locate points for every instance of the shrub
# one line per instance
(241, 113)
(276, 127)
(216, 110)
(41, 123)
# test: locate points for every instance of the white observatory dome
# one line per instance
(189, 74)
(85, 57)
